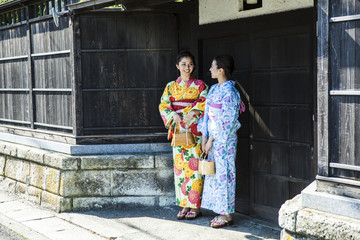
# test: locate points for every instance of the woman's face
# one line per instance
(185, 66)
(214, 70)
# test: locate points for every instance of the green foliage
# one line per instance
(4, 1)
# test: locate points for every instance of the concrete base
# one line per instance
(85, 149)
(63, 182)
(317, 215)
(345, 206)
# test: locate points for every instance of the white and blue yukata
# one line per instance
(221, 121)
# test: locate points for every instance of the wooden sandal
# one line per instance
(192, 215)
(220, 222)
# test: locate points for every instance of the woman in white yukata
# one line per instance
(219, 126)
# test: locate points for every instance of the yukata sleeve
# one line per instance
(228, 115)
(165, 108)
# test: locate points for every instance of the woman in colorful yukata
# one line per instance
(219, 140)
(181, 105)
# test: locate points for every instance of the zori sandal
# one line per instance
(181, 215)
(192, 215)
(221, 222)
(214, 219)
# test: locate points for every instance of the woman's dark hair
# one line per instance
(225, 62)
(183, 54)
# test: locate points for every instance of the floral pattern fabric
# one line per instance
(220, 121)
(182, 97)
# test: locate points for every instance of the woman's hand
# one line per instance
(190, 115)
(177, 118)
(203, 144)
(208, 145)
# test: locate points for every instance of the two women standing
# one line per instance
(182, 103)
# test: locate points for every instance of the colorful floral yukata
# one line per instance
(220, 121)
(181, 97)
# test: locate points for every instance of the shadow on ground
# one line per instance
(250, 228)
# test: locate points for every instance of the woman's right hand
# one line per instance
(177, 118)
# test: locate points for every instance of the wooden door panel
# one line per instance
(271, 123)
(289, 87)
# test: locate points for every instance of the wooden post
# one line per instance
(77, 103)
(323, 88)
(30, 66)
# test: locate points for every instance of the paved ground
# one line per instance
(8, 234)
(35, 223)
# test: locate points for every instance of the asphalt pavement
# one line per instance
(23, 220)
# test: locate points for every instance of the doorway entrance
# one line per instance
(274, 68)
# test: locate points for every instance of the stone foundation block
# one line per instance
(62, 161)
(288, 213)
(326, 226)
(8, 148)
(36, 155)
(166, 201)
(7, 184)
(17, 169)
(303, 223)
(136, 161)
(64, 182)
(142, 182)
(106, 202)
(45, 178)
(85, 183)
(55, 202)
(29, 193)
(37, 175)
(2, 165)
(164, 161)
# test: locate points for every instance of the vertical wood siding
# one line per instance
(13, 75)
(344, 69)
(45, 90)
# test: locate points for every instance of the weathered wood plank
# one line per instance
(53, 108)
(29, 42)
(323, 88)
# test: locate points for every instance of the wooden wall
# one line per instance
(126, 61)
(106, 79)
(14, 100)
(36, 71)
(344, 86)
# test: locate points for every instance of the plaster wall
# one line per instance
(211, 11)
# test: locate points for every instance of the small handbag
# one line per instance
(206, 167)
(182, 139)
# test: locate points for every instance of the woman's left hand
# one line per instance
(189, 116)
(208, 144)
